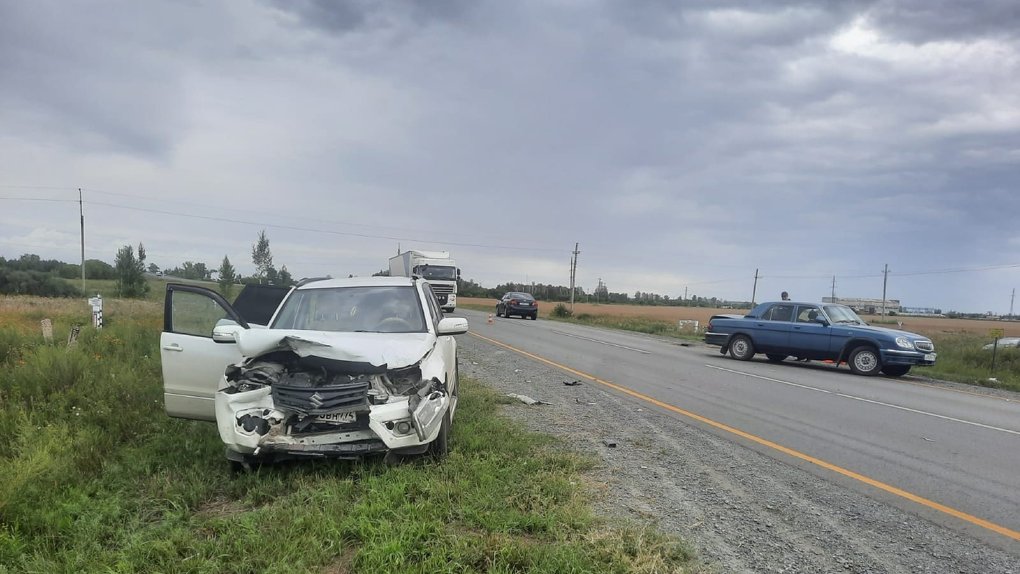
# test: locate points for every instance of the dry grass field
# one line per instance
(929, 326)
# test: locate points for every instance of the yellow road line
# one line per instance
(1007, 532)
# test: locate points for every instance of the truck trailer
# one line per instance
(436, 267)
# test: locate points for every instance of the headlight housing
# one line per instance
(904, 343)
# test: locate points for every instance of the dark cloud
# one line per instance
(74, 78)
(344, 16)
(920, 21)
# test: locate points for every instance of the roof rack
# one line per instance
(308, 280)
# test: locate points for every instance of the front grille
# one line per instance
(925, 346)
(437, 289)
(321, 400)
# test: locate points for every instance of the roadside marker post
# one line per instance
(996, 335)
(97, 311)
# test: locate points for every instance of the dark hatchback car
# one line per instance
(517, 303)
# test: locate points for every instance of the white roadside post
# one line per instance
(97, 310)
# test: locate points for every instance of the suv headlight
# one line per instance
(904, 343)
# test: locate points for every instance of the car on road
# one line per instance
(517, 303)
(342, 368)
(827, 331)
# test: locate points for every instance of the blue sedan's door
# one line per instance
(809, 338)
(772, 331)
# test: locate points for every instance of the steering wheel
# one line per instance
(393, 322)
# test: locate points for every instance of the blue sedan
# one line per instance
(822, 332)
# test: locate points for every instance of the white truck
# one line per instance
(436, 267)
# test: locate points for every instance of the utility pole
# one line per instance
(81, 212)
(754, 290)
(885, 281)
(573, 275)
(833, 288)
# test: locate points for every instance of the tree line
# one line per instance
(601, 294)
(32, 275)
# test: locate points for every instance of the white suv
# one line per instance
(345, 367)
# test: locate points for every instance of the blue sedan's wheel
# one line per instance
(741, 348)
(865, 361)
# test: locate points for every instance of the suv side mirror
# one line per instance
(822, 320)
(226, 332)
(452, 326)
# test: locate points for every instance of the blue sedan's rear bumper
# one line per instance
(901, 357)
(718, 339)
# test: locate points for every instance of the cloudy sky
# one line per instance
(682, 144)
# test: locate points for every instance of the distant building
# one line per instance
(866, 306)
(921, 311)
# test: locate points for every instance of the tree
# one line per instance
(227, 277)
(130, 273)
(284, 278)
(262, 257)
(153, 268)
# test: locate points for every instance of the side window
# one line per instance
(196, 314)
(434, 310)
(807, 314)
(780, 313)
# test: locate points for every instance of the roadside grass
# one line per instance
(962, 359)
(98, 479)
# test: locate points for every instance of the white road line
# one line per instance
(601, 342)
(768, 379)
(864, 400)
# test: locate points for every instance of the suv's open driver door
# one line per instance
(193, 363)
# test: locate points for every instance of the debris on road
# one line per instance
(526, 399)
(609, 443)
(571, 383)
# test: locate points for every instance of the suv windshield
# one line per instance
(842, 314)
(436, 272)
(353, 310)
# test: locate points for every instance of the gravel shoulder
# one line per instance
(741, 510)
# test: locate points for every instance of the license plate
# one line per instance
(930, 357)
(525, 304)
(337, 418)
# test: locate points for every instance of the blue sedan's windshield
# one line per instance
(842, 314)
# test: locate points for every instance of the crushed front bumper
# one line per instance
(250, 424)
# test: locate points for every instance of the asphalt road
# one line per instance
(948, 454)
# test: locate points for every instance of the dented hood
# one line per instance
(394, 350)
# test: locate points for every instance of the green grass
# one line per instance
(962, 359)
(97, 479)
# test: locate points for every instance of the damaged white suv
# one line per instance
(345, 367)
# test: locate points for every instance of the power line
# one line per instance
(39, 199)
(314, 230)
